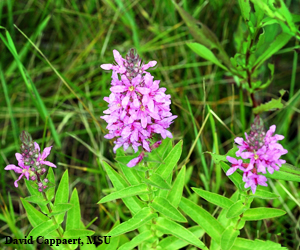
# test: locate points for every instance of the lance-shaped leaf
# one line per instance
(174, 196)
(262, 213)
(163, 206)
(286, 172)
(281, 40)
(246, 244)
(76, 233)
(60, 208)
(51, 184)
(203, 218)
(167, 226)
(37, 199)
(166, 167)
(34, 216)
(216, 199)
(236, 209)
(73, 215)
(43, 229)
(156, 181)
(33, 190)
(139, 219)
(245, 9)
(173, 243)
(203, 34)
(126, 192)
(271, 105)
(133, 203)
(263, 194)
(62, 195)
(205, 53)
(228, 238)
(137, 240)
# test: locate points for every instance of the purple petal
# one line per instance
(16, 182)
(133, 162)
(48, 163)
(230, 171)
(149, 65)
(46, 152)
(19, 157)
(106, 66)
(239, 140)
(14, 168)
(118, 89)
(232, 160)
(135, 81)
(36, 146)
(118, 57)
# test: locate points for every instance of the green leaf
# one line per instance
(166, 167)
(51, 190)
(43, 229)
(156, 181)
(126, 192)
(76, 233)
(245, 9)
(167, 226)
(262, 213)
(228, 238)
(216, 199)
(271, 105)
(203, 218)
(37, 199)
(286, 172)
(173, 243)
(174, 196)
(34, 216)
(133, 203)
(62, 195)
(73, 215)
(278, 43)
(114, 242)
(60, 208)
(245, 244)
(163, 206)
(33, 190)
(203, 34)
(139, 219)
(205, 53)
(137, 240)
(236, 209)
(263, 194)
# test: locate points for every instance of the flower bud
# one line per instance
(46, 180)
(40, 190)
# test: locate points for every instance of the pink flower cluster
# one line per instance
(137, 107)
(31, 162)
(263, 151)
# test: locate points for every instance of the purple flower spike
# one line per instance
(137, 107)
(263, 151)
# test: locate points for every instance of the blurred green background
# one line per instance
(57, 96)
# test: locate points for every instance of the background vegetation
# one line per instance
(57, 95)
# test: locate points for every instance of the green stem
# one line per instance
(52, 217)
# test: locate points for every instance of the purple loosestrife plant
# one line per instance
(137, 107)
(31, 162)
(262, 150)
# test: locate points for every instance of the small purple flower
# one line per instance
(41, 158)
(262, 150)
(22, 170)
(137, 107)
